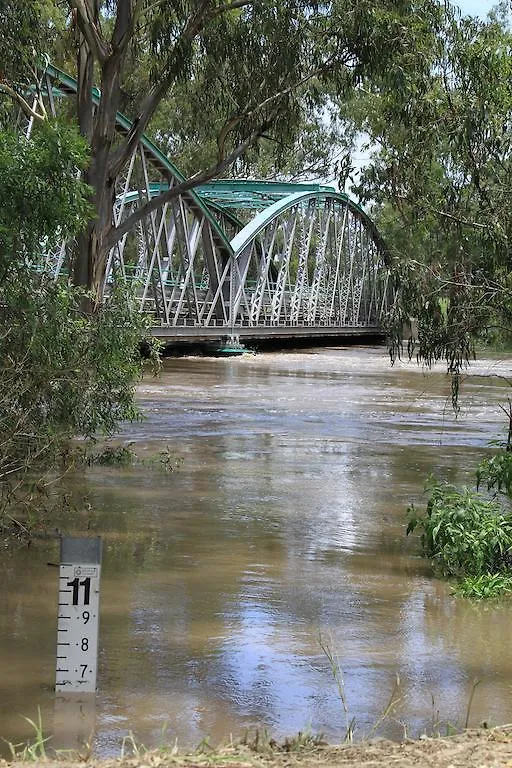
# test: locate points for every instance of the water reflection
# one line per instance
(285, 520)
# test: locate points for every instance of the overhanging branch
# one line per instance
(443, 214)
(22, 103)
(157, 92)
(230, 7)
(179, 189)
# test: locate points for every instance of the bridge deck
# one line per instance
(193, 334)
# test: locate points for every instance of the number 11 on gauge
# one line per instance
(77, 627)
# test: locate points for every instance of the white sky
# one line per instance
(475, 7)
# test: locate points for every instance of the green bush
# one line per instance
(64, 374)
(488, 585)
(496, 472)
(463, 533)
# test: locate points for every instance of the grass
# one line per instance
(438, 727)
(32, 751)
(252, 746)
(262, 743)
(337, 673)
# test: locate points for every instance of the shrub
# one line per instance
(463, 533)
(63, 374)
(488, 585)
(496, 472)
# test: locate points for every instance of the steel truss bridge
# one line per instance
(245, 259)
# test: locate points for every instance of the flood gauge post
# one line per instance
(78, 615)
(77, 641)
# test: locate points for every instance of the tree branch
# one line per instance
(126, 20)
(179, 189)
(88, 28)
(223, 162)
(157, 92)
(443, 214)
(230, 7)
(24, 105)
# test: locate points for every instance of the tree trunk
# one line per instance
(97, 125)
(92, 253)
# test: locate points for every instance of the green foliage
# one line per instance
(469, 536)
(288, 66)
(63, 374)
(440, 181)
(41, 200)
(463, 533)
(30, 30)
(25, 35)
(484, 587)
(496, 472)
(312, 150)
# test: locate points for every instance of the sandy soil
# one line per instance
(472, 749)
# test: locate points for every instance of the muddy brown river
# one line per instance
(282, 527)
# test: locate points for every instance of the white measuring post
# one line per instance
(78, 615)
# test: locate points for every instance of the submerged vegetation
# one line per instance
(463, 533)
(487, 585)
(467, 534)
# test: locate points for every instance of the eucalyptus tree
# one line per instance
(441, 178)
(248, 55)
(248, 68)
(320, 137)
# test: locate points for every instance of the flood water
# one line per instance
(282, 527)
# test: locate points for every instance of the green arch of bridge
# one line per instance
(221, 210)
(243, 238)
(161, 161)
(248, 231)
(289, 194)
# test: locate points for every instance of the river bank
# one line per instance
(490, 748)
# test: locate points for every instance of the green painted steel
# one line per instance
(253, 194)
(156, 189)
(249, 232)
(69, 85)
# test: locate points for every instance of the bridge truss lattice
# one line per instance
(235, 255)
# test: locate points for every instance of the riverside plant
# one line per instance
(488, 585)
(32, 751)
(125, 456)
(467, 537)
